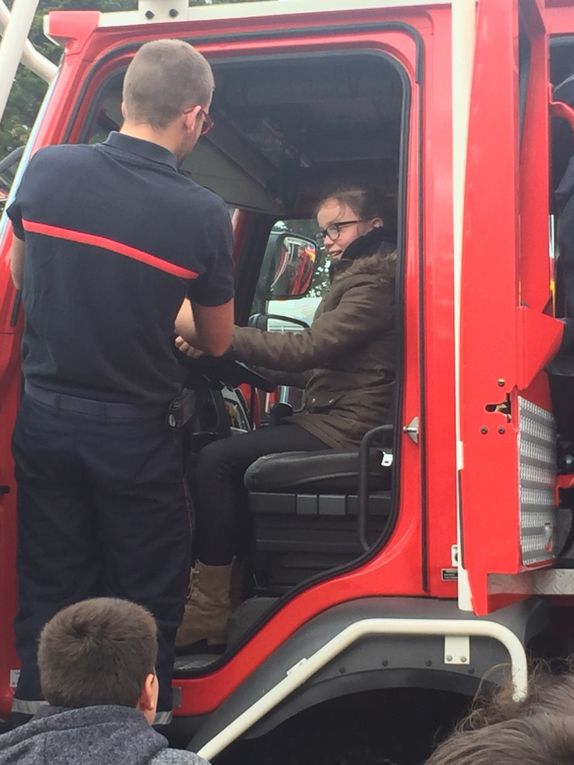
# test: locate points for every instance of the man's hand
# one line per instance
(183, 346)
(206, 328)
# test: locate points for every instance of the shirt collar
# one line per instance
(146, 149)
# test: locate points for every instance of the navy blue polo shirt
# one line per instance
(115, 240)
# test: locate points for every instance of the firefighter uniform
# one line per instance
(115, 240)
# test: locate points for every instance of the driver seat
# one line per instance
(305, 511)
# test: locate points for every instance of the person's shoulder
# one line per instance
(64, 149)
(61, 154)
(177, 757)
(205, 201)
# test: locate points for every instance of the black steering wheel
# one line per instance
(226, 371)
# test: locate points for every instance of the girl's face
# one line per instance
(340, 225)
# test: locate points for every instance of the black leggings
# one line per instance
(222, 518)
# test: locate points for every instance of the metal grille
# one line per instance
(536, 473)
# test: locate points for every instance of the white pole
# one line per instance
(31, 58)
(12, 45)
(307, 667)
(463, 40)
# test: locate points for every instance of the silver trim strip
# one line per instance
(27, 707)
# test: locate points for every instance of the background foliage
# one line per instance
(28, 90)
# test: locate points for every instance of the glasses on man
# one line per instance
(333, 230)
(207, 122)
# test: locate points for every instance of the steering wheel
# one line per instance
(226, 371)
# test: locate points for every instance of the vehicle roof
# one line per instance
(161, 9)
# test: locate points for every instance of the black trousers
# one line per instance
(102, 511)
(221, 513)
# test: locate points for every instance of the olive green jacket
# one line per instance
(347, 355)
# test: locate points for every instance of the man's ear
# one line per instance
(123, 108)
(378, 223)
(147, 701)
(190, 118)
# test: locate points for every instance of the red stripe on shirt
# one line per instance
(108, 244)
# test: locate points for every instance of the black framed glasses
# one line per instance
(333, 230)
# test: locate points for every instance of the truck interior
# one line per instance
(286, 130)
(562, 128)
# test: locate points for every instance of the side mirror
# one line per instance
(294, 259)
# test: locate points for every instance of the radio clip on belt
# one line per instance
(181, 409)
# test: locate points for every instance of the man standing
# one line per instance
(109, 242)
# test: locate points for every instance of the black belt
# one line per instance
(79, 405)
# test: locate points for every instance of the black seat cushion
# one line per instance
(333, 471)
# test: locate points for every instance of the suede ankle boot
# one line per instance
(207, 609)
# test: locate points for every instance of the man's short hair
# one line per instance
(164, 78)
(97, 652)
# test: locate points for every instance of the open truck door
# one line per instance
(286, 67)
(509, 520)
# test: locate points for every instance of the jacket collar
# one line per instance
(146, 150)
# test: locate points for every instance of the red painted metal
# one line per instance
(507, 281)
(398, 569)
(507, 332)
(489, 299)
(438, 419)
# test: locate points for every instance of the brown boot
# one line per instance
(208, 607)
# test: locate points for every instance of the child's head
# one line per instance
(99, 652)
(346, 214)
(538, 729)
(532, 740)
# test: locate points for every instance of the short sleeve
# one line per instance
(14, 212)
(215, 285)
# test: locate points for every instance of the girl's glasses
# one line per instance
(333, 230)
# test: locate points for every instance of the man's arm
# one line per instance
(17, 261)
(208, 328)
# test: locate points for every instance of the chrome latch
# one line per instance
(412, 430)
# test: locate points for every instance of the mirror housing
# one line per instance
(293, 262)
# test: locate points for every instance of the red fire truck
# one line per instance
(385, 585)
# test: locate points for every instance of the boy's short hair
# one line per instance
(97, 652)
(164, 78)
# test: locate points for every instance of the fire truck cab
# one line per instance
(386, 583)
